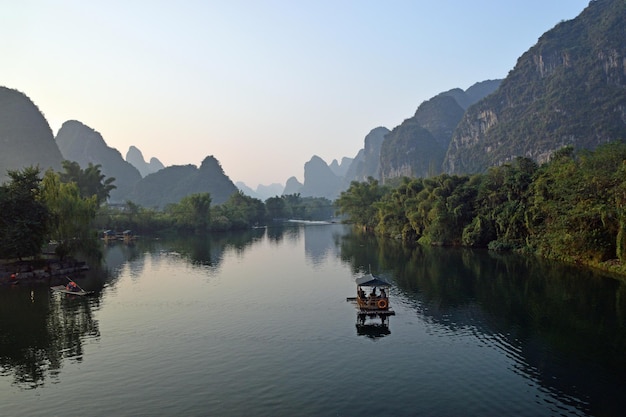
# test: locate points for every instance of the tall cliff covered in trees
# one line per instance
(568, 89)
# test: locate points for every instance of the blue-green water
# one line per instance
(257, 323)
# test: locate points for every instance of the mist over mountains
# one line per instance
(568, 89)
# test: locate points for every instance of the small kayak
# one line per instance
(63, 289)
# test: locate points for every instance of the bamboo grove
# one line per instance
(571, 208)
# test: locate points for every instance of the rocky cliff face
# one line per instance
(340, 169)
(25, 135)
(319, 180)
(367, 162)
(84, 145)
(568, 89)
(418, 146)
(135, 158)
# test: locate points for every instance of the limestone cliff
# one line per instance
(367, 161)
(568, 89)
(418, 146)
(319, 180)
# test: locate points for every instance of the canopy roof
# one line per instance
(371, 281)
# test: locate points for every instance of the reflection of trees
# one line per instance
(569, 325)
(319, 242)
(208, 250)
(39, 329)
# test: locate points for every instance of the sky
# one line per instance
(261, 85)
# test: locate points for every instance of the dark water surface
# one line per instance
(257, 323)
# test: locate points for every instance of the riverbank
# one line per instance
(12, 273)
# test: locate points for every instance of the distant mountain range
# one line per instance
(135, 158)
(568, 89)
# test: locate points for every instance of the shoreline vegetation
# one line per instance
(64, 214)
(570, 209)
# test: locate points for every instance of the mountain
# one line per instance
(367, 161)
(172, 183)
(25, 135)
(340, 169)
(84, 145)
(417, 148)
(319, 180)
(135, 158)
(262, 192)
(292, 186)
(241, 186)
(266, 191)
(567, 89)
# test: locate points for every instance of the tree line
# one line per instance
(196, 214)
(69, 209)
(571, 208)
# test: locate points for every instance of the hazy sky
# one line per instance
(261, 85)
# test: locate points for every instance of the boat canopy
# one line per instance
(371, 281)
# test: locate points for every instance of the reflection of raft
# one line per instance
(63, 289)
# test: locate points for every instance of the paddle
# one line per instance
(79, 287)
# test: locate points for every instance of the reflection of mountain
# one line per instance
(39, 330)
(562, 328)
(319, 243)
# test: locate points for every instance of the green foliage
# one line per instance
(572, 208)
(192, 213)
(358, 202)
(90, 181)
(71, 215)
(238, 212)
(25, 217)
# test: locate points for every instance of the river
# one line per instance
(257, 323)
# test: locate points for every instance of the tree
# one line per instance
(90, 181)
(192, 213)
(71, 215)
(276, 207)
(25, 218)
(358, 202)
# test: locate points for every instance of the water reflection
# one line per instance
(565, 328)
(39, 330)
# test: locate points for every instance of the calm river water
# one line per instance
(257, 323)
